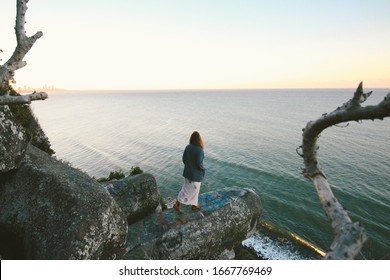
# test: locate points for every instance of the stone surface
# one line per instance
(13, 141)
(37, 137)
(227, 217)
(58, 212)
(138, 196)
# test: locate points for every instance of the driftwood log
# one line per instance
(349, 237)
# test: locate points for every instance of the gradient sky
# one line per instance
(176, 44)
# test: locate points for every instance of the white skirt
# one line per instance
(189, 192)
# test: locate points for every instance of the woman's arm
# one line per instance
(200, 160)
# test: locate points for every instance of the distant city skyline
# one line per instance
(177, 44)
(22, 89)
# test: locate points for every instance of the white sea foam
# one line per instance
(273, 249)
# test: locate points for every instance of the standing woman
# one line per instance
(193, 173)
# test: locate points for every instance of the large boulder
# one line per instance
(13, 141)
(227, 217)
(58, 212)
(138, 196)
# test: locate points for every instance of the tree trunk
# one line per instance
(349, 237)
(15, 62)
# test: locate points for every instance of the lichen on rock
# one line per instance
(60, 212)
(13, 141)
(227, 217)
(138, 196)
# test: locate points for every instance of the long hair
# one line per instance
(196, 139)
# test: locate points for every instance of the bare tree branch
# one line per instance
(350, 111)
(22, 99)
(349, 237)
(24, 44)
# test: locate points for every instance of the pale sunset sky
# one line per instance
(202, 44)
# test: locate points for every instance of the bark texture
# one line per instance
(24, 44)
(22, 99)
(349, 237)
(15, 62)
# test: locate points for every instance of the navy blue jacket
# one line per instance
(193, 163)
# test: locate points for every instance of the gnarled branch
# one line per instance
(22, 99)
(349, 237)
(24, 44)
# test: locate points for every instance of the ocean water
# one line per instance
(251, 137)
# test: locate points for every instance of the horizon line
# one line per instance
(206, 89)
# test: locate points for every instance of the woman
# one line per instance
(193, 173)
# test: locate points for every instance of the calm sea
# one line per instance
(251, 138)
